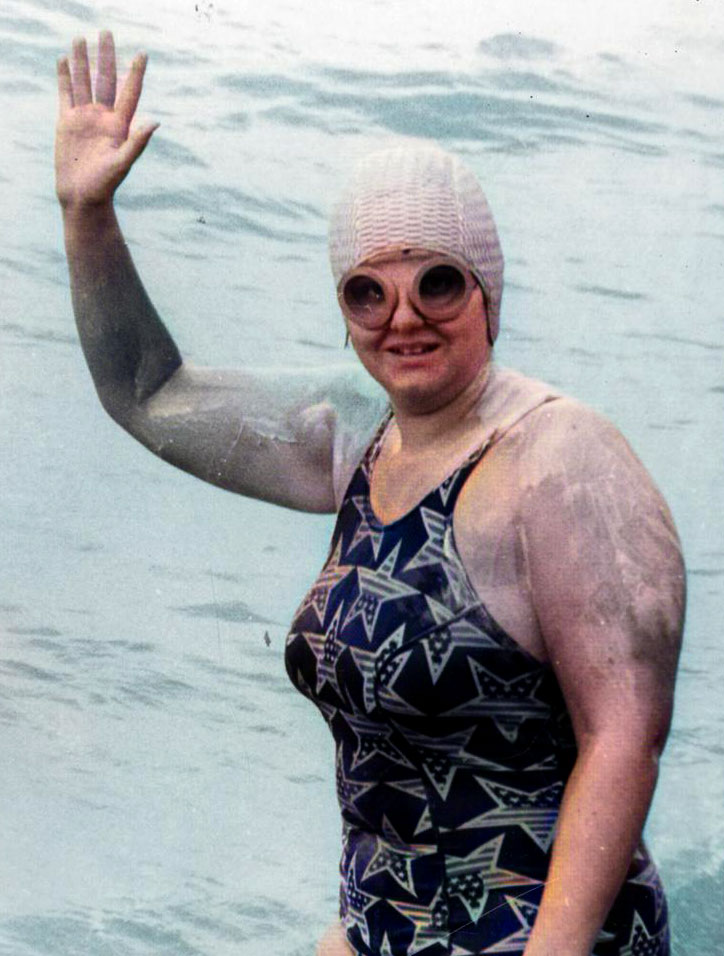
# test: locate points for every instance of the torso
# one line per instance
(418, 645)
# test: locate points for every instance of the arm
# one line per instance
(607, 580)
(230, 428)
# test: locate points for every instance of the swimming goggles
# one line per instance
(440, 291)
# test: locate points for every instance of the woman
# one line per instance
(494, 636)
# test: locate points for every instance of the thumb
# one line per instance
(137, 141)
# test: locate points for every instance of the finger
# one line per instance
(130, 92)
(82, 93)
(136, 143)
(106, 71)
(65, 86)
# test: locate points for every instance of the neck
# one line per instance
(419, 430)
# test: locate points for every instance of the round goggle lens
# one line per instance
(365, 298)
(442, 287)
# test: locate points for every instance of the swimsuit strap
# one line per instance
(375, 446)
(450, 488)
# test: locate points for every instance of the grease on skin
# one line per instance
(633, 589)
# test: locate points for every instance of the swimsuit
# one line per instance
(453, 744)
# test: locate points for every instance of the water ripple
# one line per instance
(27, 25)
(507, 46)
(175, 154)
(29, 671)
(49, 336)
(454, 110)
(80, 11)
(707, 102)
(235, 611)
(609, 293)
(679, 339)
(231, 210)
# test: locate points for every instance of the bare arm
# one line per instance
(268, 436)
(608, 585)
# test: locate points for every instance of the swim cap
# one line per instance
(418, 196)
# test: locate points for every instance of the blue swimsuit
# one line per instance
(453, 744)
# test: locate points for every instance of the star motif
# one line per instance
(358, 902)
(548, 763)
(327, 651)
(472, 877)
(349, 790)
(393, 855)
(641, 943)
(440, 613)
(535, 813)
(364, 530)
(383, 663)
(433, 753)
(430, 922)
(385, 948)
(438, 647)
(449, 483)
(431, 551)
(439, 549)
(459, 590)
(415, 788)
(395, 840)
(394, 862)
(318, 596)
(526, 913)
(649, 878)
(451, 632)
(376, 587)
(447, 486)
(373, 740)
(508, 703)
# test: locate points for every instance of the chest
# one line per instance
(486, 528)
(393, 627)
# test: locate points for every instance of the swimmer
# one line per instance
(494, 636)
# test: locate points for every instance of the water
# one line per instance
(164, 790)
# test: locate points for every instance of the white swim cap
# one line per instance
(423, 198)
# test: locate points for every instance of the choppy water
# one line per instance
(163, 788)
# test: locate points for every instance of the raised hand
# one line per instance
(95, 146)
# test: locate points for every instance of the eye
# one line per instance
(363, 292)
(442, 284)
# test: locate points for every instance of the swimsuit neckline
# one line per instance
(370, 460)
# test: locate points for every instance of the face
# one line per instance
(422, 365)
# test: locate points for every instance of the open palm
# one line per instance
(95, 146)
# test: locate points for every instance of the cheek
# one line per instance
(365, 343)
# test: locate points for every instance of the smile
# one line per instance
(412, 349)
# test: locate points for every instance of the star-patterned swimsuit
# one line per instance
(453, 744)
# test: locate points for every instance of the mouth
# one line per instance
(411, 350)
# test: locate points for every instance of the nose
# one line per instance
(405, 316)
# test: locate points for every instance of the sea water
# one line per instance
(163, 789)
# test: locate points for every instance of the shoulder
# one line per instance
(549, 436)
(359, 407)
(562, 443)
(598, 533)
(584, 500)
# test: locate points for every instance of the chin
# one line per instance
(420, 399)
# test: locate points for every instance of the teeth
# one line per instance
(413, 350)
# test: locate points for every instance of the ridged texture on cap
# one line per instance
(418, 197)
